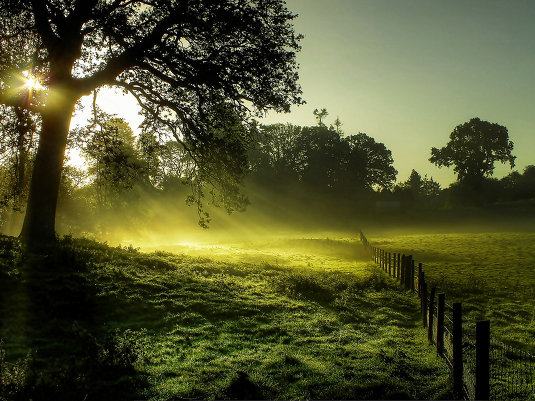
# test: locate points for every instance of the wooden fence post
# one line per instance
(380, 257)
(389, 263)
(407, 270)
(431, 315)
(440, 323)
(408, 264)
(482, 360)
(412, 275)
(402, 268)
(421, 280)
(419, 287)
(424, 304)
(457, 351)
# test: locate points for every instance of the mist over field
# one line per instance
(267, 199)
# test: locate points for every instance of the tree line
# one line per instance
(279, 157)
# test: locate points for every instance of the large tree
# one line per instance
(473, 149)
(188, 63)
(322, 158)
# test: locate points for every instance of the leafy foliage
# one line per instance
(114, 163)
(473, 149)
(18, 139)
(322, 158)
(189, 64)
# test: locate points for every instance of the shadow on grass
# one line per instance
(53, 347)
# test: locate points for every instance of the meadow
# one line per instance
(491, 273)
(284, 318)
(302, 315)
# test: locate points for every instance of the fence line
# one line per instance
(483, 368)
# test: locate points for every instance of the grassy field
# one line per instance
(492, 274)
(292, 318)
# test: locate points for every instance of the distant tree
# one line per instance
(321, 158)
(320, 115)
(182, 60)
(417, 191)
(473, 149)
(338, 125)
(150, 151)
(429, 187)
(520, 186)
(414, 183)
(322, 152)
(369, 163)
(114, 164)
(276, 152)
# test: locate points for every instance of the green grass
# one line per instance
(289, 319)
(492, 274)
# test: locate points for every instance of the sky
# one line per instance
(407, 72)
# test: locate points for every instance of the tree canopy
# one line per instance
(322, 158)
(189, 64)
(473, 149)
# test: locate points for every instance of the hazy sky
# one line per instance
(406, 72)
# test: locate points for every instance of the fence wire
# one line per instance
(469, 370)
(512, 371)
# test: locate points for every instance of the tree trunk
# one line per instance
(20, 176)
(39, 222)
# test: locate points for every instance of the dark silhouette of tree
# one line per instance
(182, 60)
(430, 188)
(321, 158)
(519, 186)
(322, 152)
(473, 149)
(414, 183)
(276, 153)
(338, 125)
(320, 115)
(370, 162)
(418, 191)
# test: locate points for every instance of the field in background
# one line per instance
(287, 318)
(492, 274)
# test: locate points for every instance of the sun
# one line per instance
(31, 82)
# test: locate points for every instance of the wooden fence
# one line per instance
(482, 368)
